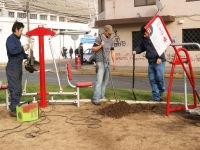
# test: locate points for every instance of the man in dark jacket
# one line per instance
(80, 51)
(70, 52)
(16, 54)
(65, 52)
(156, 66)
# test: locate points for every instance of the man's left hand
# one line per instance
(158, 61)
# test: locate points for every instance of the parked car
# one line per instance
(89, 56)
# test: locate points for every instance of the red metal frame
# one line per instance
(177, 61)
(41, 32)
(190, 75)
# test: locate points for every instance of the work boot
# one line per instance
(13, 114)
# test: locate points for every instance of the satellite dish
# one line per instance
(159, 5)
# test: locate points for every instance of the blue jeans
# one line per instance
(156, 79)
(101, 81)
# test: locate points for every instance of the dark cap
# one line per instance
(143, 30)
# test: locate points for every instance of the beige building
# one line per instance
(181, 17)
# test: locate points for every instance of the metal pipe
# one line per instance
(184, 44)
(55, 65)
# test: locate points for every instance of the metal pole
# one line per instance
(133, 77)
(43, 92)
(28, 29)
(55, 65)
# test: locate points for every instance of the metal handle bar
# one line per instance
(182, 44)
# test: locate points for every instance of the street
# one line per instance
(119, 82)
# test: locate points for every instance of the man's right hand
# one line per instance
(26, 47)
(102, 44)
(133, 52)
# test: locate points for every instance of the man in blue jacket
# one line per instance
(16, 54)
(156, 66)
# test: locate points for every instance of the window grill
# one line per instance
(191, 36)
(11, 14)
(136, 39)
(61, 19)
(144, 2)
(21, 15)
(191, 0)
(33, 16)
(43, 17)
(53, 18)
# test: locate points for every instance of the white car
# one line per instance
(89, 56)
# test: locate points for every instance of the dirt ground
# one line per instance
(111, 126)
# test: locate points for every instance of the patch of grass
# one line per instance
(87, 93)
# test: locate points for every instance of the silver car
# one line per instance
(89, 56)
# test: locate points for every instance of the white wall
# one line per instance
(58, 42)
(116, 9)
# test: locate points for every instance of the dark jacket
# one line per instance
(151, 53)
(71, 51)
(15, 51)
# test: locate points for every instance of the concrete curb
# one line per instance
(122, 73)
(125, 73)
(137, 74)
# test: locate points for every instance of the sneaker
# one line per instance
(96, 103)
(13, 114)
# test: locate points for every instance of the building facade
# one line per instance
(181, 17)
(50, 21)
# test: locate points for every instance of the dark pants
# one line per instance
(14, 77)
(81, 59)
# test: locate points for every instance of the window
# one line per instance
(53, 18)
(43, 17)
(33, 16)
(191, 0)
(61, 19)
(144, 2)
(136, 39)
(101, 5)
(21, 15)
(11, 14)
(191, 36)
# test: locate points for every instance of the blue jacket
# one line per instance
(15, 51)
(151, 53)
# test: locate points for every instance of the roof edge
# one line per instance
(100, 23)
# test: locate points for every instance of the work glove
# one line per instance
(26, 47)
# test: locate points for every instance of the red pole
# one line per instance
(43, 92)
(41, 32)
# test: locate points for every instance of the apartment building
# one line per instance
(181, 17)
